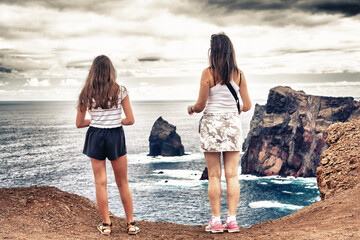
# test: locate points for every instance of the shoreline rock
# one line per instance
(164, 140)
(287, 135)
(204, 175)
(340, 164)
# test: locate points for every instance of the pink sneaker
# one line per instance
(214, 226)
(231, 226)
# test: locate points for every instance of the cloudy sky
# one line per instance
(159, 47)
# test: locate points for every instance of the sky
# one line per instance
(159, 47)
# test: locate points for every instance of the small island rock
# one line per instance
(164, 140)
(204, 175)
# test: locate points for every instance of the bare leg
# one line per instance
(214, 172)
(99, 168)
(231, 162)
(120, 171)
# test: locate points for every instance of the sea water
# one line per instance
(40, 145)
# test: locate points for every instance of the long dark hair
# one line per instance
(222, 58)
(100, 89)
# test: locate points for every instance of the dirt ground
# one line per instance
(42, 212)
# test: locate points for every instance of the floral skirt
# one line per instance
(220, 132)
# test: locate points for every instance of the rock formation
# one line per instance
(164, 140)
(287, 135)
(204, 175)
(340, 164)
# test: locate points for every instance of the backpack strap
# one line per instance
(232, 90)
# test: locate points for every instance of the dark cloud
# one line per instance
(80, 64)
(5, 70)
(18, 61)
(345, 7)
(65, 5)
(279, 13)
(149, 59)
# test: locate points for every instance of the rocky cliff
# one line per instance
(340, 164)
(164, 140)
(287, 135)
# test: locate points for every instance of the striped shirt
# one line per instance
(108, 118)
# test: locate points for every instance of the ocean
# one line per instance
(40, 145)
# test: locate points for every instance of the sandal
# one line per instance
(132, 229)
(105, 228)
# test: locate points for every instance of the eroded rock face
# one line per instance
(287, 135)
(164, 140)
(340, 164)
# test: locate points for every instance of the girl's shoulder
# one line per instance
(123, 92)
(238, 76)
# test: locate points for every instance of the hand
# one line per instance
(190, 110)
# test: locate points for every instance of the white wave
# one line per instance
(273, 204)
(312, 187)
(287, 192)
(248, 177)
(317, 199)
(308, 181)
(299, 193)
(179, 183)
(179, 173)
(281, 181)
(143, 158)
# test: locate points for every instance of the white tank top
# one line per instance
(221, 100)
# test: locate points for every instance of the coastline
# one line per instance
(43, 212)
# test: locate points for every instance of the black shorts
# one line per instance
(102, 143)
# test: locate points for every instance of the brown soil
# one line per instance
(49, 213)
(42, 212)
(340, 164)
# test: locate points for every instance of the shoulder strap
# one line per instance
(240, 79)
(232, 90)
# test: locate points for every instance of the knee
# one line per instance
(100, 182)
(215, 174)
(231, 174)
(121, 181)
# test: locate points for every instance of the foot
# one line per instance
(215, 226)
(105, 228)
(132, 229)
(231, 226)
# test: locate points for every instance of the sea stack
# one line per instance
(164, 140)
(287, 135)
(205, 175)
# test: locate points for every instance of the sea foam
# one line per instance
(273, 204)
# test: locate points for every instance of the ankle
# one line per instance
(214, 218)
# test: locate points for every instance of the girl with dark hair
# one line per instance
(220, 127)
(105, 100)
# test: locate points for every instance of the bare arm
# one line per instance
(244, 94)
(203, 94)
(81, 122)
(129, 116)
